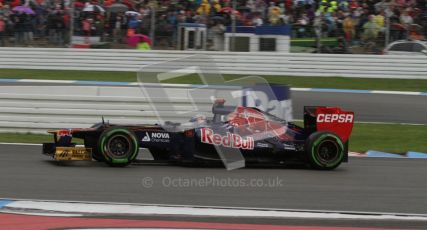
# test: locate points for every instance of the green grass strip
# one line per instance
(25, 138)
(393, 138)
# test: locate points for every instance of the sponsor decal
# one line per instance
(288, 147)
(156, 137)
(73, 153)
(146, 137)
(335, 120)
(160, 135)
(262, 145)
(230, 140)
(331, 118)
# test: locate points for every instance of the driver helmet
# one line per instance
(199, 119)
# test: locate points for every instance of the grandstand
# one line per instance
(353, 23)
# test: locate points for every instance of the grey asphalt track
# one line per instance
(364, 184)
(367, 107)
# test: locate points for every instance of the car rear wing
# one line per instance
(330, 119)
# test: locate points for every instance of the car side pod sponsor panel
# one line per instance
(335, 120)
(230, 140)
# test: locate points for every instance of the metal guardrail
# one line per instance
(259, 63)
(38, 108)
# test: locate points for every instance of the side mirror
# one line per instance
(424, 52)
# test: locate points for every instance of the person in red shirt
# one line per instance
(87, 26)
(2, 31)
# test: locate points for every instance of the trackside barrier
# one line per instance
(256, 63)
(38, 108)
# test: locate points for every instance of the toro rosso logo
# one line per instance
(64, 133)
(331, 118)
(230, 140)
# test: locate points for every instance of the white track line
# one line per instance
(395, 92)
(46, 81)
(30, 144)
(30, 213)
(301, 89)
(158, 209)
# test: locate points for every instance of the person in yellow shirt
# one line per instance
(323, 6)
(204, 8)
(216, 6)
(348, 28)
(333, 6)
(143, 46)
(274, 15)
(380, 21)
(371, 29)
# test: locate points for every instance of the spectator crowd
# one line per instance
(113, 20)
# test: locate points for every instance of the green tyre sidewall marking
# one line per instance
(103, 148)
(321, 138)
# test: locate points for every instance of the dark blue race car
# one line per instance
(232, 132)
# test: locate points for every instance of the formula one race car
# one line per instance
(259, 136)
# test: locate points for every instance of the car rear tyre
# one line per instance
(119, 146)
(325, 150)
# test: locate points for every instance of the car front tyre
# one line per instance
(119, 146)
